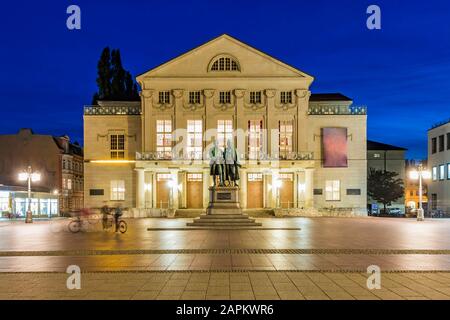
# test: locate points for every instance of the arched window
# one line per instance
(224, 63)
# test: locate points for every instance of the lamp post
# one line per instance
(29, 176)
(419, 174)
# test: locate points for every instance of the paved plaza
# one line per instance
(299, 258)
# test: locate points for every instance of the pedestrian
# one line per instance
(117, 215)
(105, 212)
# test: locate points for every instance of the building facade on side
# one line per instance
(299, 152)
(59, 190)
(386, 157)
(439, 164)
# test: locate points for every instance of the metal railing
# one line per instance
(112, 110)
(156, 155)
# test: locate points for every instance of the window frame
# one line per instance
(194, 97)
(442, 172)
(195, 148)
(225, 97)
(117, 146)
(255, 97)
(441, 143)
(285, 97)
(433, 145)
(285, 149)
(226, 133)
(335, 192)
(254, 139)
(164, 97)
(434, 173)
(117, 190)
(164, 138)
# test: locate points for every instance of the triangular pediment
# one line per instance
(197, 62)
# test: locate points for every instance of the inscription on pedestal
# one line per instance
(224, 196)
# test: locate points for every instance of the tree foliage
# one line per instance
(113, 81)
(384, 186)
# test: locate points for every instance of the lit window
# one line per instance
(164, 97)
(69, 184)
(164, 138)
(286, 132)
(225, 64)
(434, 173)
(194, 97)
(255, 97)
(448, 171)
(194, 139)
(286, 97)
(224, 132)
(332, 190)
(117, 190)
(376, 155)
(194, 177)
(254, 139)
(254, 177)
(441, 172)
(224, 97)
(117, 146)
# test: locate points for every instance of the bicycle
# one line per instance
(123, 227)
(77, 224)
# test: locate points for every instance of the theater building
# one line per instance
(301, 153)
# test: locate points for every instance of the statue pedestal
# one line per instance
(223, 200)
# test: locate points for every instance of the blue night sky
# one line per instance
(401, 72)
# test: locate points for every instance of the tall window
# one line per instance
(286, 132)
(255, 97)
(224, 132)
(69, 184)
(194, 139)
(433, 145)
(441, 172)
(433, 201)
(164, 138)
(194, 97)
(286, 97)
(254, 139)
(332, 190)
(448, 171)
(225, 97)
(164, 97)
(448, 141)
(117, 190)
(434, 173)
(441, 143)
(117, 146)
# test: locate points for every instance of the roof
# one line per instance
(226, 36)
(439, 124)
(373, 145)
(329, 97)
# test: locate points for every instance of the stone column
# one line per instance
(302, 99)
(206, 184)
(175, 190)
(267, 196)
(147, 130)
(309, 186)
(140, 189)
(149, 189)
(243, 188)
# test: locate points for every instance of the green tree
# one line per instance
(384, 186)
(113, 81)
(103, 76)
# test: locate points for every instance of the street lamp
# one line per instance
(29, 176)
(420, 173)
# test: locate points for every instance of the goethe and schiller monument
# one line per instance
(288, 149)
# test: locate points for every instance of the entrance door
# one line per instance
(255, 190)
(195, 190)
(286, 190)
(162, 190)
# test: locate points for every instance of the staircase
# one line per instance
(224, 221)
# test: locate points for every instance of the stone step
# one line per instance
(231, 221)
(224, 216)
(223, 224)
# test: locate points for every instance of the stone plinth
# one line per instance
(223, 200)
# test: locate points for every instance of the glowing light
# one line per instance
(55, 192)
(414, 175)
(426, 174)
(112, 161)
(35, 177)
(23, 176)
(301, 187)
(278, 183)
(148, 187)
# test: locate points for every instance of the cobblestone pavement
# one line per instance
(226, 285)
(305, 258)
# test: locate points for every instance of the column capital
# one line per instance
(147, 93)
(177, 93)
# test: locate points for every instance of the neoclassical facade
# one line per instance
(299, 151)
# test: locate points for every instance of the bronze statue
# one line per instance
(231, 164)
(216, 164)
